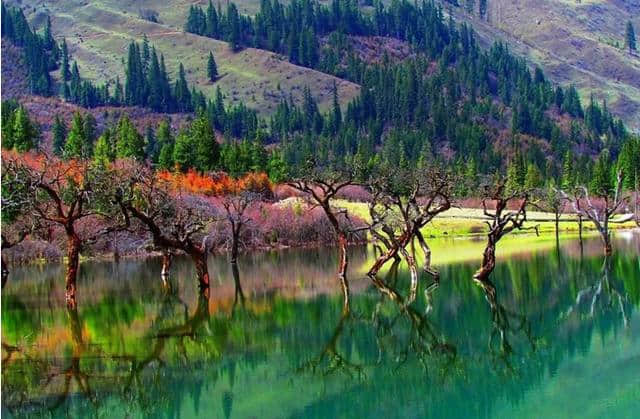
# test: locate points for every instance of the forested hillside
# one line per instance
(444, 98)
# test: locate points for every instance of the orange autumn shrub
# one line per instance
(216, 184)
(52, 168)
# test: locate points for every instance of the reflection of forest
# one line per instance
(157, 348)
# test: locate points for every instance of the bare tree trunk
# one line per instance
(202, 271)
(557, 221)
(234, 245)
(608, 248)
(116, 254)
(342, 270)
(238, 285)
(166, 265)
(413, 289)
(73, 259)
(488, 263)
(5, 273)
(427, 257)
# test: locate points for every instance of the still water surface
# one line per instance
(562, 339)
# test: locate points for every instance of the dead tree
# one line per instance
(236, 206)
(502, 221)
(601, 213)
(551, 200)
(174, 219)
(59, 193)
(403, 203)
(320, 188)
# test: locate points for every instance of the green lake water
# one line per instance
(561, 338)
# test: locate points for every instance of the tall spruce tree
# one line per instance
(212, 68)
(75, 146)
(630, 37)
(59, 131)
(24, 131)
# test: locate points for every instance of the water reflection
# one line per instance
(270, 340)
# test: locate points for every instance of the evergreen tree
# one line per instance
(150, 143)
(512, 184)
(568, 177)
(533, 178)
(277, 168)
(66, 72)
(182, 93)
(163, 139)
(183, 151)
(89, 130)
(129, 142)
(212, 68)
(75, 147)
(59, 131)
(24, 132)
(630, 37)
(601, 182)
(233, 24)
(482, 8)
(207, 151)
(104, 151)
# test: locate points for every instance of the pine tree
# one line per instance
(129, 142)
(150, 143)
(75, 147)
(163, 139)
(601, 182)
(630, 37)
(277, 168)
(233, 24)
(24, 132)
(183, 151)
(533, 178)
(66, 73)
(336, 116)
(512, 185)
(482, 8)
(59, 131)
(89, 129)
(182, 93)
(104, 151)
(212, 68)
(568, 177)
(207, 151)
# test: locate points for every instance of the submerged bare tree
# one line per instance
(236, 207)
(502, 221)
(601, 212)
(320, 187)
(72, 195)
(403, 203)
(551, 200)
(174, 219)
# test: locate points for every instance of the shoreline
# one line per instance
(463, 229)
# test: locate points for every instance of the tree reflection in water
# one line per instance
(452, 341)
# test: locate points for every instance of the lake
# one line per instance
(560, 339)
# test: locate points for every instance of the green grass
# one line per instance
(470, 222)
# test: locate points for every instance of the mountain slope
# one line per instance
(574, 42)
(98, 34)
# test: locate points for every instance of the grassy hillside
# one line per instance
(575, 42)
(98, 33)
